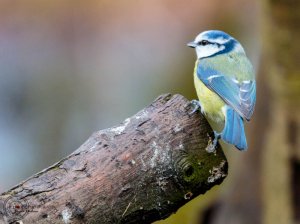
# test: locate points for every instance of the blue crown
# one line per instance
(215, 34)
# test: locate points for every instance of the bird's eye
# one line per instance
(203, 42)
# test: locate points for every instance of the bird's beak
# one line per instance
(192, 44)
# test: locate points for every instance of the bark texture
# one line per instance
(138, 172)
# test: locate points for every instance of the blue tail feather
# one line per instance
(233, 131)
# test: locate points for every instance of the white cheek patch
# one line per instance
(208, 50)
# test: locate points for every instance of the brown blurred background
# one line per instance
(69, 68)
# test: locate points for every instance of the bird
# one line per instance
(224, 80)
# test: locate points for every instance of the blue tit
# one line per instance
(225, 84)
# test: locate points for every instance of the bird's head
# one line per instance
(214, 42)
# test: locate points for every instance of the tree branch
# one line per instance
(139, 172)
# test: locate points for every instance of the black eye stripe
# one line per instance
(203, 42)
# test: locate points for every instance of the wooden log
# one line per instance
(138, 172)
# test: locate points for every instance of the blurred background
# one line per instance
(69, 68)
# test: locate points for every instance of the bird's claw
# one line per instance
(211, 147)
(196, 105)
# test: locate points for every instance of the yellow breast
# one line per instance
(211, 103)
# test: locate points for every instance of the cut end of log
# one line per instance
(138, 172)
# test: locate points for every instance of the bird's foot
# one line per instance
(196, 105)
(211, 147)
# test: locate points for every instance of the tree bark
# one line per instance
(138, 172)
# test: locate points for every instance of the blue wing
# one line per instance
(241, 96)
